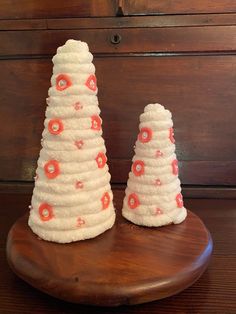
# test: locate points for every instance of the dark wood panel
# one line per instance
(23, 24)
(137, 7)
(26, 9)
(198, 90)
(136, 40)
(144, 21)
(121, 22)
(213, 293)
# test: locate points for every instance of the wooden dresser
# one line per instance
(181, 54)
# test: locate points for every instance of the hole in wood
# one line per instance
(115, 39)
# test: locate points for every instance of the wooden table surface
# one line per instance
(214, 292)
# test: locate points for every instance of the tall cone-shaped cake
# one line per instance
(153, 195)
(72, 198)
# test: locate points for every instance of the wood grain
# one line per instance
(214, 292)
(31, 9)
(134, 40)
(198, 90)
(125, 265)
(124, 22)
(137, 7)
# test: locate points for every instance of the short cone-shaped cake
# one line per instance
(153, 195)
(72, 198)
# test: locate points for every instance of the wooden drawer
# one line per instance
(133, 40)
(188, 64)
(199, 90)
(154, 7)
(31, 9)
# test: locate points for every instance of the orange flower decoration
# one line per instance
(138, 168)
(63, 82)
(101, 159)
(45, 212)
(158, 211)
(78, 106)
(79, 185)
(133, 201)
(80, 222)
(105, 200)
(55, 126)
(179, 200)
(96, 123)
(91, 82)
(79, 144)
(159, 154)
(145, 135)
(52, 169)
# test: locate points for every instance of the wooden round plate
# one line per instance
(126, 265)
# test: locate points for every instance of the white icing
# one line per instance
(67, 236)
(78, 155)
(70, 112)
(69, 170)
(69, 135)
(70, 223)
(74, 123)
(158, 186)
(155, 164)
(74, 211)
(74, 68)
(151, 152)
(67, 145)
(76, 80)
(76, 203)
(58, 186)
(70, 199)
(73, 90)
(70, 100)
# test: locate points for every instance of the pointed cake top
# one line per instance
(72, 52)
(156, 112)
(72, 45)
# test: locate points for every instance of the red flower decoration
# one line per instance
(45, 212)
(96, 123)
(78, 106)
(79, 144)
(179, 200)
(79, 185)
(55, 126)
(158, 182)
(52, 169)
(80, 222)
(101, 159)
(63, 82)
(133, 201)
(175, 168)
(105, 200)
(145, 135)
(159, 211)
(159, 154)
(91, 82)
(171, 135)
(138, 168)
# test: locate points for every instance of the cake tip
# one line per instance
(154, 107)
(72, 45)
